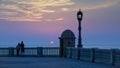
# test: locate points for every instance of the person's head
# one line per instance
(21, 41)
(18, 43)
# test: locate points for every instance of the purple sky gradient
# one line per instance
(39, 22)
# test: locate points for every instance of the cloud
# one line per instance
(59, 19)
(91, 5)
(29, 10)
(101, 4)
(36, 10)
(65, 9)
(47, 11)
(54, 20)
(45, 3)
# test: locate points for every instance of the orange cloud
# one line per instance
(35, 10)
(65, 9)
(101, 6)
(57, 19)
(97, 5)
(29, 10)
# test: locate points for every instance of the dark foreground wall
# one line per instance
(106, 56)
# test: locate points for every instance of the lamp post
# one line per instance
(79, 17)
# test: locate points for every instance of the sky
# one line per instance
(41, 22)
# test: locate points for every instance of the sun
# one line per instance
(51, 42)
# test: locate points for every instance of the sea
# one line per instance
(85, 45)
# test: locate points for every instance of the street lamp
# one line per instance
(79, 17)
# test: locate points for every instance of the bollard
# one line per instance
(39, 51)
(93, 55)
(11, 51)
(113, 56)
(78, 57)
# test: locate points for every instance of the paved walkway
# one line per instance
(47, 62)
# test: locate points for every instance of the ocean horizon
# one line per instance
(85, 45)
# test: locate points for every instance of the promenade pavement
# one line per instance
(48, 62)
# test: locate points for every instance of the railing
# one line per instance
(54, 51)
(106, 56)
(36, 51)
(4, 51)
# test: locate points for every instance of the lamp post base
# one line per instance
(80, 46)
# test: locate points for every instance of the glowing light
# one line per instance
(51, 42)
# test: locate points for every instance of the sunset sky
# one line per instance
(41, 22)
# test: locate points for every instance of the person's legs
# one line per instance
(17, 52)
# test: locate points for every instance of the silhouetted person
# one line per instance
(18, 49)
(22, 47)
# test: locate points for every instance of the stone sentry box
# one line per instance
(67, 39)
